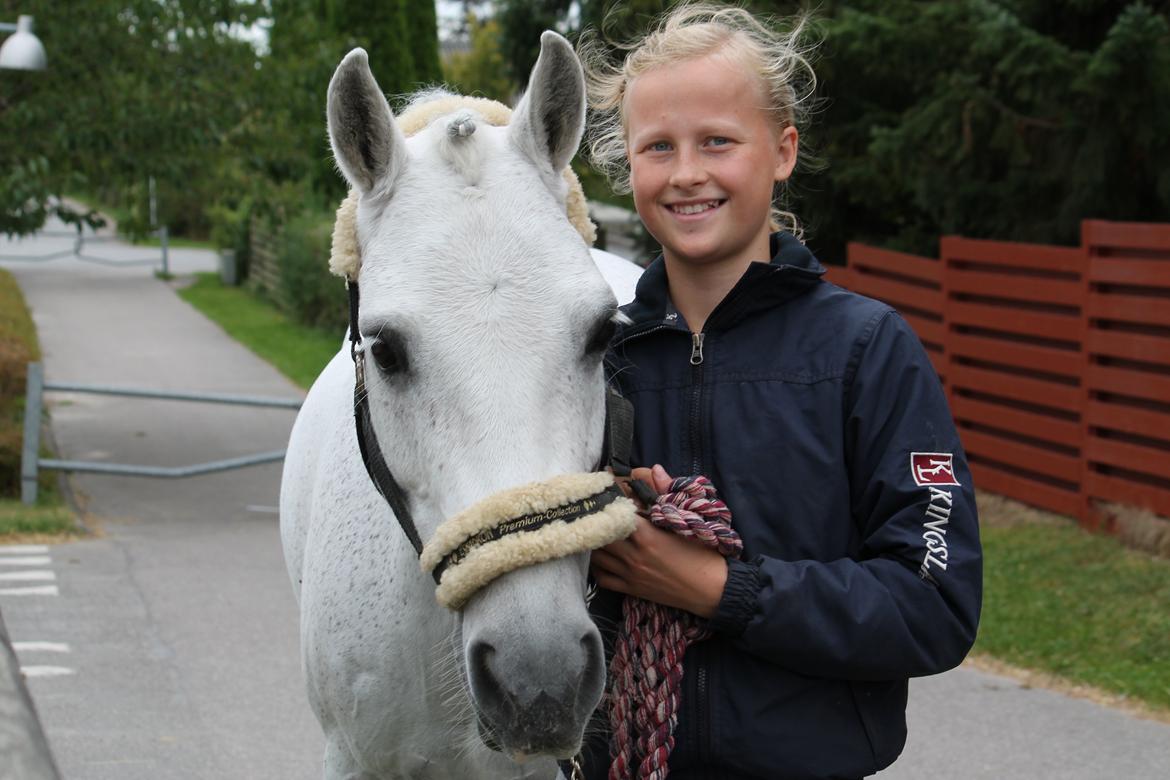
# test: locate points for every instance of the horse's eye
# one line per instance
(600, 337)
(390, 354)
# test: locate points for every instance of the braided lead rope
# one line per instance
(646, 671)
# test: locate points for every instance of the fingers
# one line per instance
(660, 479)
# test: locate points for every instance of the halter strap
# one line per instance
(367, 440)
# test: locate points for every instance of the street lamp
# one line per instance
(22, 50)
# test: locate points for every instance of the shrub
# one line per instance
(18, 347)
(310, 293)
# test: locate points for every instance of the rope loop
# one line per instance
(647, 668)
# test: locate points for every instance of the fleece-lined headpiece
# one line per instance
(530, 524)
(345, 259)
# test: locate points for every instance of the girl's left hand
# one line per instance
(661, 566)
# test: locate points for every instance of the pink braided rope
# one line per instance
(646, 671)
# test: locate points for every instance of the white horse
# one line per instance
(483, 320)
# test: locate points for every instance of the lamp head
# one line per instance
(23, 50)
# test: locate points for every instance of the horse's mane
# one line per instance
(422, 109)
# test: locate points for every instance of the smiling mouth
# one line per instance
(691, 209)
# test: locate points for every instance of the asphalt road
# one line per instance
(167, 646)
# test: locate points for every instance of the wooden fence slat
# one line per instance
(1012, 254)
(1027, 289)
(1023, 421)
(1124, 491)
(839, 275)
(1097, 233)
(1131, 346)
(1009, 483)
(1135, 273)
(897, 293)
(1029, 457)
(1126, 455)
(925, 268)
(926, 330)
(1127, 419)
(1124, 381)
(1028, 323)
(1014, 353)
(1034, 391)
(1129, 308)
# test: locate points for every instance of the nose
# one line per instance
(689, 171)
(536, 703)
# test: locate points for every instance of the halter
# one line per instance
(514, 528)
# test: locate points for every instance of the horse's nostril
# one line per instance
(483, 679)
(594, 671)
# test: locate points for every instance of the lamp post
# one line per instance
(22, 50)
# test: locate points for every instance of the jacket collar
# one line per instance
(793, 271)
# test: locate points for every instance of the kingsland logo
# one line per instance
(934, 532)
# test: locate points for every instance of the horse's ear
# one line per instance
(548, 122)
(367, 144)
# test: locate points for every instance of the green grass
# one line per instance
(1077, 605)
(296, 351)
(47, 518)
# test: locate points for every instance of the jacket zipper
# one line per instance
(695, 422)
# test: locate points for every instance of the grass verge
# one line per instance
(18, 347)
(50, 518)
(296, 351)
(1077, 605)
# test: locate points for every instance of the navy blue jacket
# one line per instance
(821, 422)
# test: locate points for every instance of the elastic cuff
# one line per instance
(737, 606)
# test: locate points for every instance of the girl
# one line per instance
(813, 411)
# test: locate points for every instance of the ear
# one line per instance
(548, 122)
(786, 150)
(369, 148)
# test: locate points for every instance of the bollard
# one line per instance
(32, 433)
(166, 265)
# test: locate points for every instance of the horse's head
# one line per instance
(483, 324)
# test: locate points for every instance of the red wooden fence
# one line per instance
(1056, 360)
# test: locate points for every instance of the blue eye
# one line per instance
(719, 141)
(659, 146)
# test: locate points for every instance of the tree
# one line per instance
(481, 70)
(1003, 132)
(142, 88)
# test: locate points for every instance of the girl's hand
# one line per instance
(661, 566)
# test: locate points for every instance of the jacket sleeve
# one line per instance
(908, 604)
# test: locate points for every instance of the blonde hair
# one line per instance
(690, 31)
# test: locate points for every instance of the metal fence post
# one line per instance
(32, 433)
(166, 265)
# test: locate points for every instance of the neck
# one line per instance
(697, 290)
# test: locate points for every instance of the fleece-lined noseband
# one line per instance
(567, 514)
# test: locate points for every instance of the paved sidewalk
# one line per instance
(179, 619)
(174, 633)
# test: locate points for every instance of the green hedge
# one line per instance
(308, 291)
(18, 347)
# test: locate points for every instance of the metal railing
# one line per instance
(79, 241)
(32, 463)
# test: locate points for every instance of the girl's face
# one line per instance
(704, 155)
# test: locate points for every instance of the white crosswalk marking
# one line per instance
(23, 549)
(40, 647)
(26, 576)
(46, 671)
(33, 560)
(36, 590)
